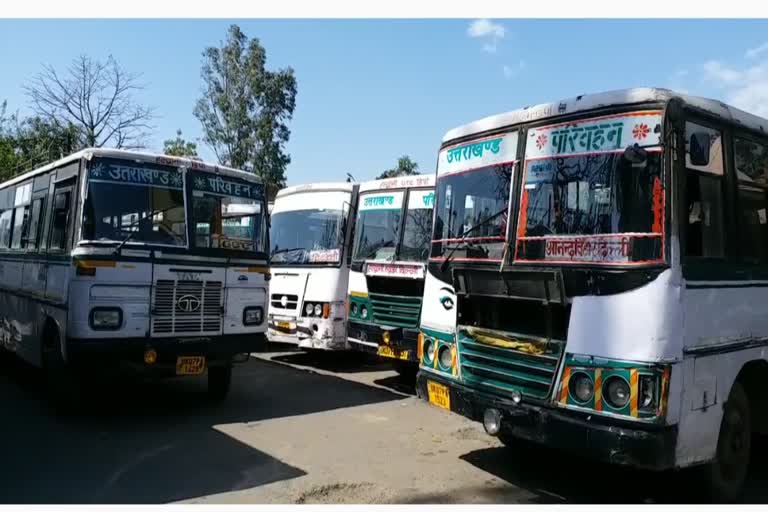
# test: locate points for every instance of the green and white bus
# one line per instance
(598, 280)
(386, 282)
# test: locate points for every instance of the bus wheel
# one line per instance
(727, 473)
(61, 384)
(219, 381)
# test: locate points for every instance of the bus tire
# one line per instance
(727, 473)
(61, 384)
(219, 382)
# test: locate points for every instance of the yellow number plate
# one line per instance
(285, 325)
(395, 354)
(439, 395)
(190, 365)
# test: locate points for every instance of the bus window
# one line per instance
(5, 228)
(751, 161)
(31, 240)
(60, 219)
(704, 189)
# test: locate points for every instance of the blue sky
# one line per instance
(370, 91)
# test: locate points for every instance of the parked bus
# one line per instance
(598, 280)
(115, 259)
(393, 230)
(311, 226)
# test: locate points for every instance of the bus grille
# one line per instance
(170, 315)
(292, 301)
(501, 370)
(395, 310)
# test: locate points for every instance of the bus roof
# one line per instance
(606, 99)
(89, 153)
(418, 180)
(316, 187)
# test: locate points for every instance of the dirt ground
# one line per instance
(296, 428)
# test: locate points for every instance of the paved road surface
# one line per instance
(296, 428)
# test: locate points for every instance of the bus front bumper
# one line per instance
(402, 342)
(604, 439)
(106, 355)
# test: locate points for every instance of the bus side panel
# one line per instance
(707, 383)
(357, 282)
(643, 325)
(438, 310)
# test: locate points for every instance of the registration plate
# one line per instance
(284, 325)
(190, 365)
(390, 352)
(439, 395)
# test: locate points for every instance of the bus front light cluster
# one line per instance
(317, 309)
(105, 319)
(253, 316)
(623, 388)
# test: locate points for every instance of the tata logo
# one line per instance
(189, 276)
(284, 301)
(188, 303)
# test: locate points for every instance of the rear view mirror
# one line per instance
(699, 149)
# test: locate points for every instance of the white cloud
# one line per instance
(716, 71)
(745, 88)
(510, 71)
(489, 31)
(485, 27)
(755, 52)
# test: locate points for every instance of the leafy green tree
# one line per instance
(31, 142)
(405, 167)
(245, 108)
(180, 147)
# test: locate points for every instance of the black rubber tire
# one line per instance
(62, 386)
(219, 382)
(725, 476)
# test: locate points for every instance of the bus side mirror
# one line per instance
(699, 149)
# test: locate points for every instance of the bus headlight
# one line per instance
(364, 312)
(353, 308)
(253, 316)
(647, 393)
(318, 310)
(308, 309)
(444, 357)
(429, 350)
(616, 392)
(106, 319)
(581, 387)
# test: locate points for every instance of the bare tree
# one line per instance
(97, 98)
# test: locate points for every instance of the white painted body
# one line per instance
(320, 283)
(668, 320)
(40, 287)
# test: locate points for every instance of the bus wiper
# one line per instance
(135, 223)
(462, 242)
(280, 251)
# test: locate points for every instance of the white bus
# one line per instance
(114, 260)
(310, 232)
(599, 277)
(392, 237)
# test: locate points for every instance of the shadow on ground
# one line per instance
(554, 477)
(153, 442)
(342, 361)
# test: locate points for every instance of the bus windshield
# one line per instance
(142, 202)
(227, 213)
(417, 230)
(378, 225)
(470, 215)
(592, 193)
(306, 237)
